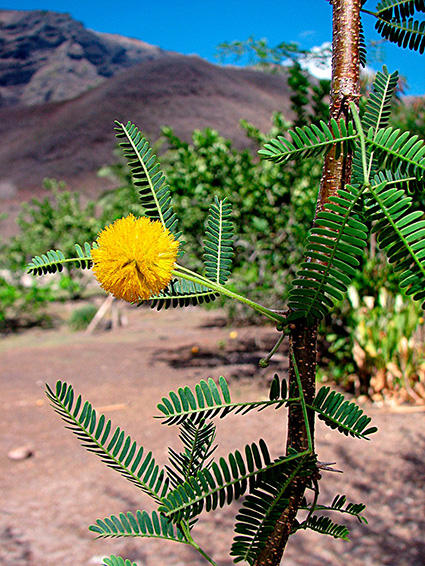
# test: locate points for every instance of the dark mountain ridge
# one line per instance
(71, 139)
(48, 56)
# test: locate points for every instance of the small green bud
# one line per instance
(263, 363)
(280, 327)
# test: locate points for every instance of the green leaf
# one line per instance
(227, 481)
(197, 440)
(398, 151)
(325, 526)
(213, 400)
(54, 260)
(116, 450)
(401, 235)
(338, 413)
(310, 141)
(218, 243)
(392, 23)
(263, 506)
(117, 561)
(150, 181)
(182, 293)
(334, 244)
(376, 116)
(139, 525)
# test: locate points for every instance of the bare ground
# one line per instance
(48, 500)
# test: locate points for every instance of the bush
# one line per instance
(81, 317)
(54, 222)
(22, 306)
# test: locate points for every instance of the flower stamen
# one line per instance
(134, 258)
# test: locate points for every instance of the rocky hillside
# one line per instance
(48, 56)
(63, 86)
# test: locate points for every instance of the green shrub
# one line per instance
(80, 318)
(22, 306)
(55, 222)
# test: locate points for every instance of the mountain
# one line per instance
(71, 139)
(48, 56)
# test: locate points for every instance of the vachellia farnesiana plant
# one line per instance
(370, 174)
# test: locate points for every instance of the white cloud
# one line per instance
(319, 61)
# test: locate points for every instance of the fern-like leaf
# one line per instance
(117, 561)
(218, 243)
(340, 414)
(362, 47)
(182, 293)
(150, 181)
(115, 449)
(378, 105)
(399, 9)
(209, 400)
(354, 509)
(401, 234)
(223, 483)
(310, 141)
(324, 526)
(139, 525)
(334, 244)
(54, 260)
(398, 151)
(263, 507)
(197, 440)
(392, 23)
(376, 117)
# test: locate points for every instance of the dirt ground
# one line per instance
(48, 500)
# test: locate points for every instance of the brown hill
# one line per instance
(71, 140)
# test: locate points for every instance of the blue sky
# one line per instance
(198, 26)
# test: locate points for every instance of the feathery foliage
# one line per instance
(398, 151)
(140, 525)
(336, 241)
(362, 47)
(338, 413)
(54, 260)
(115, 449)
(218, 243)
(198, 484)
(401, 232)
(392, 23)
(311, 141)
(376, 116)
(325, 526)
(197, 440)
(263, 507)
(218, 252)
(334, 245)
(378, 106)
(354, 509)
(182, 293)
(385, 163)
(223, 483)
(117, 561)
(150, 181)
(209, 401)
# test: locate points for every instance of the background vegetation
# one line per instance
(376, 345)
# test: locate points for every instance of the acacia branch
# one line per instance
(345, 88)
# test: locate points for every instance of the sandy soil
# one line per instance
(48, 500)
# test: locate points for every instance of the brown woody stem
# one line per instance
(345, 87)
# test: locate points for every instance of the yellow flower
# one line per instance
(135, 258)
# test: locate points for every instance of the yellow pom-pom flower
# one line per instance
(135, 258)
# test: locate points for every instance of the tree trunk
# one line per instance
(345, 87)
